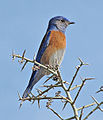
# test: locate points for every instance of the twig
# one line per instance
(92, 111)
(71, 118)
(51, 86)
(81, 114)
(68, 96)
(78, 68)
(39, 103)
(47, 90)
(58, 96)
(42, 98)
(100, 90)
(49, 78)
(74, 87)
(81, 88)
(86, 106)
(24, 65)
(97, 103)
(34, 61)
(55, 113)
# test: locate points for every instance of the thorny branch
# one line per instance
(59, 82)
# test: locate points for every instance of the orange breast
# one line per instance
(57, 41)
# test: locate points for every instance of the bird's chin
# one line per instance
(61, 27)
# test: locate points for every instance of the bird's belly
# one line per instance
(56, 58)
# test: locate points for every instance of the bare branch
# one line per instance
(49, 78)
(81, 88)
(34, 61)
(55, 113)
(24, 65)
(81, 114)
(86, 106)
(78, 68)
(51, 86)
(58, 95)
(68, 96)
(100, 90)
(39, 103)
(47, 89)
(74, 87)
(92, 111)
(97, 103)
(71, 118)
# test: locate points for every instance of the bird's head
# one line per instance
(59, 23)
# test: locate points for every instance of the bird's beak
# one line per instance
(71, 23)
(68, 23)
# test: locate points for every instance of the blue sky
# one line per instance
(23, 24)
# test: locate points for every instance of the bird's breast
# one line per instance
(55, 50)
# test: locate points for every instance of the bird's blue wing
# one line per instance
(42, 48)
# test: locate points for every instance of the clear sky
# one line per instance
(23, 24)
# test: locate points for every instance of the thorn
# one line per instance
(19, 96)
(24, 65)
(48, 79)
(23, 54)
(13, 57)
(82, 63)
(39, 103)
(21, 104)
(100, 90)
(86, 79)
(97, 104)
(32, 94)
(64, 105)
(80, 60)
(34, 57)
(95, 100)
(20, 99)
(39, 91)
(89, 78)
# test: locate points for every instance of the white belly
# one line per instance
(57, 58)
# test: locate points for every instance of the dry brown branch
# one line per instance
(81, 113)
(32, 61)
(71, 118)
(74, 87)
(100, 90)
(66, 88)
(92, 111)
(78, 68)
(68, 96)
(81, 88)
(55, 112)
(86, 106)
(97, 103)
(49, 78)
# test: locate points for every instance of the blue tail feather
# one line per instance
(35, 77)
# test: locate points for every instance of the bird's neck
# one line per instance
(53, 27)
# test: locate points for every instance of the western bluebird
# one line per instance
(51, 51)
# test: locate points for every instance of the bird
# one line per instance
(51, 51)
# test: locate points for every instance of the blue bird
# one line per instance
(51, 51)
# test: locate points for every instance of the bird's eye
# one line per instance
(62, 20)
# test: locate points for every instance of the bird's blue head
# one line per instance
(59, 23)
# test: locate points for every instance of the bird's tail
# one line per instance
(35, 77)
